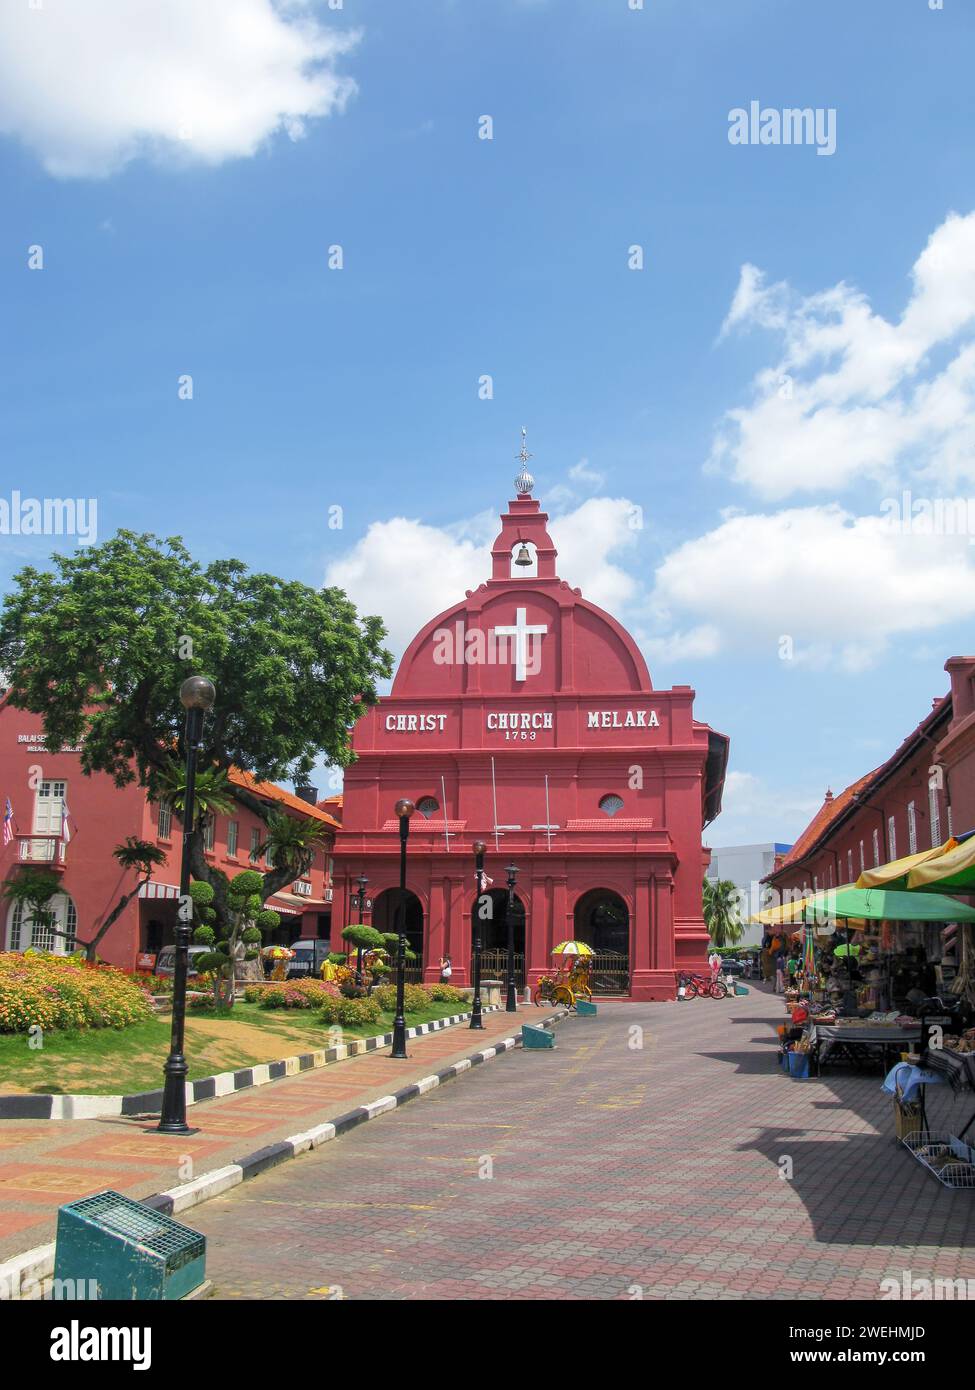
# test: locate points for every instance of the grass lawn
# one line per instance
(106, 1061)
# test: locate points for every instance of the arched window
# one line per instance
(21, 932)
(428, 806)
(610, 804)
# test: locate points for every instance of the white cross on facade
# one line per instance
(521, 632)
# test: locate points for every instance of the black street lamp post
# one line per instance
(404, 809)
(196, 695)
(511, 1005)
(479, 847)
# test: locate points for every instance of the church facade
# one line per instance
(524, 716)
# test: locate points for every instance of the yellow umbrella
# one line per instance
(572, 948)
(787, 913)
(887, 875)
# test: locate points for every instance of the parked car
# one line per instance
(309, 954)
(166, 960)
(731, 966)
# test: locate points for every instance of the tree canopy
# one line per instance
(99, 646)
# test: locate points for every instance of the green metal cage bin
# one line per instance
(128, 1250)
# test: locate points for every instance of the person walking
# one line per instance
(446, 970)
(780, 973)
(714, 961)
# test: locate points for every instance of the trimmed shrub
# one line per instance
(415, 998)
(355, 1013)
(446, 994)
(57, 992)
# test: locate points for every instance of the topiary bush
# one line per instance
(363, 938)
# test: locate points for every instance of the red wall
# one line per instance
(101, 816)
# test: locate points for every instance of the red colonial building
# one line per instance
(70, 823)
(924, 792)
(524, 716)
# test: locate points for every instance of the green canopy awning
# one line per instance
(946, 873)
(885, 905)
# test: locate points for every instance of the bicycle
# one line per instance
(700, 987)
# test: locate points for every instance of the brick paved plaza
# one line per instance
(615, 1170)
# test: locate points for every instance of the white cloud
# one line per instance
(589, 541)
(408, 571)
(90, 86)
(753, 812)
(581, 473)
(854, 395)
(839, 586)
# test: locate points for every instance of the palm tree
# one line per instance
(131, 854)
(211, 790)
(291, 843)
(722, 911)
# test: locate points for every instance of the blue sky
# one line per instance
(201, 247)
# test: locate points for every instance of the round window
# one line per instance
(611, 804)
(427, 806)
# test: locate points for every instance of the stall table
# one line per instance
(859, 1043)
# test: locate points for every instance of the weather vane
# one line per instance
(524, 481)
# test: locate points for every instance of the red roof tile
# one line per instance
(272, 792)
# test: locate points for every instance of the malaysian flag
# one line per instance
(65, 813)
(8, 823)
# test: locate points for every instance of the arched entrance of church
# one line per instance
(494, 936)
(602, 920)
(385, 918)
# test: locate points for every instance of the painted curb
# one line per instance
(224, 1083)
(31, 1268)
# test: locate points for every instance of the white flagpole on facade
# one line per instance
(494, 797)
(443, 790)
(548, 818)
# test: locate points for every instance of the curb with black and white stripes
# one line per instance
(33, 1267)
(224, 1083)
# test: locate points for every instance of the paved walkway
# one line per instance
(44, 1163)
(605, 1169)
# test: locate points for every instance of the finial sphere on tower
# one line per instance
(524, 481)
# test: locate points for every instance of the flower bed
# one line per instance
(294, 994)
(61, 992)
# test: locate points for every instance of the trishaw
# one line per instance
(571, 980)
(279, 955)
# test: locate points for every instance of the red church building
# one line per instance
(524, 716)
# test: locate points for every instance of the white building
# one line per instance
(745, 866)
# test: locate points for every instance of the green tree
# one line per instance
(237, 937)
(99, 646)
(722, 911)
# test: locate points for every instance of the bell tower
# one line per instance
(523, 524)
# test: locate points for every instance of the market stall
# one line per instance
(832, 1017)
